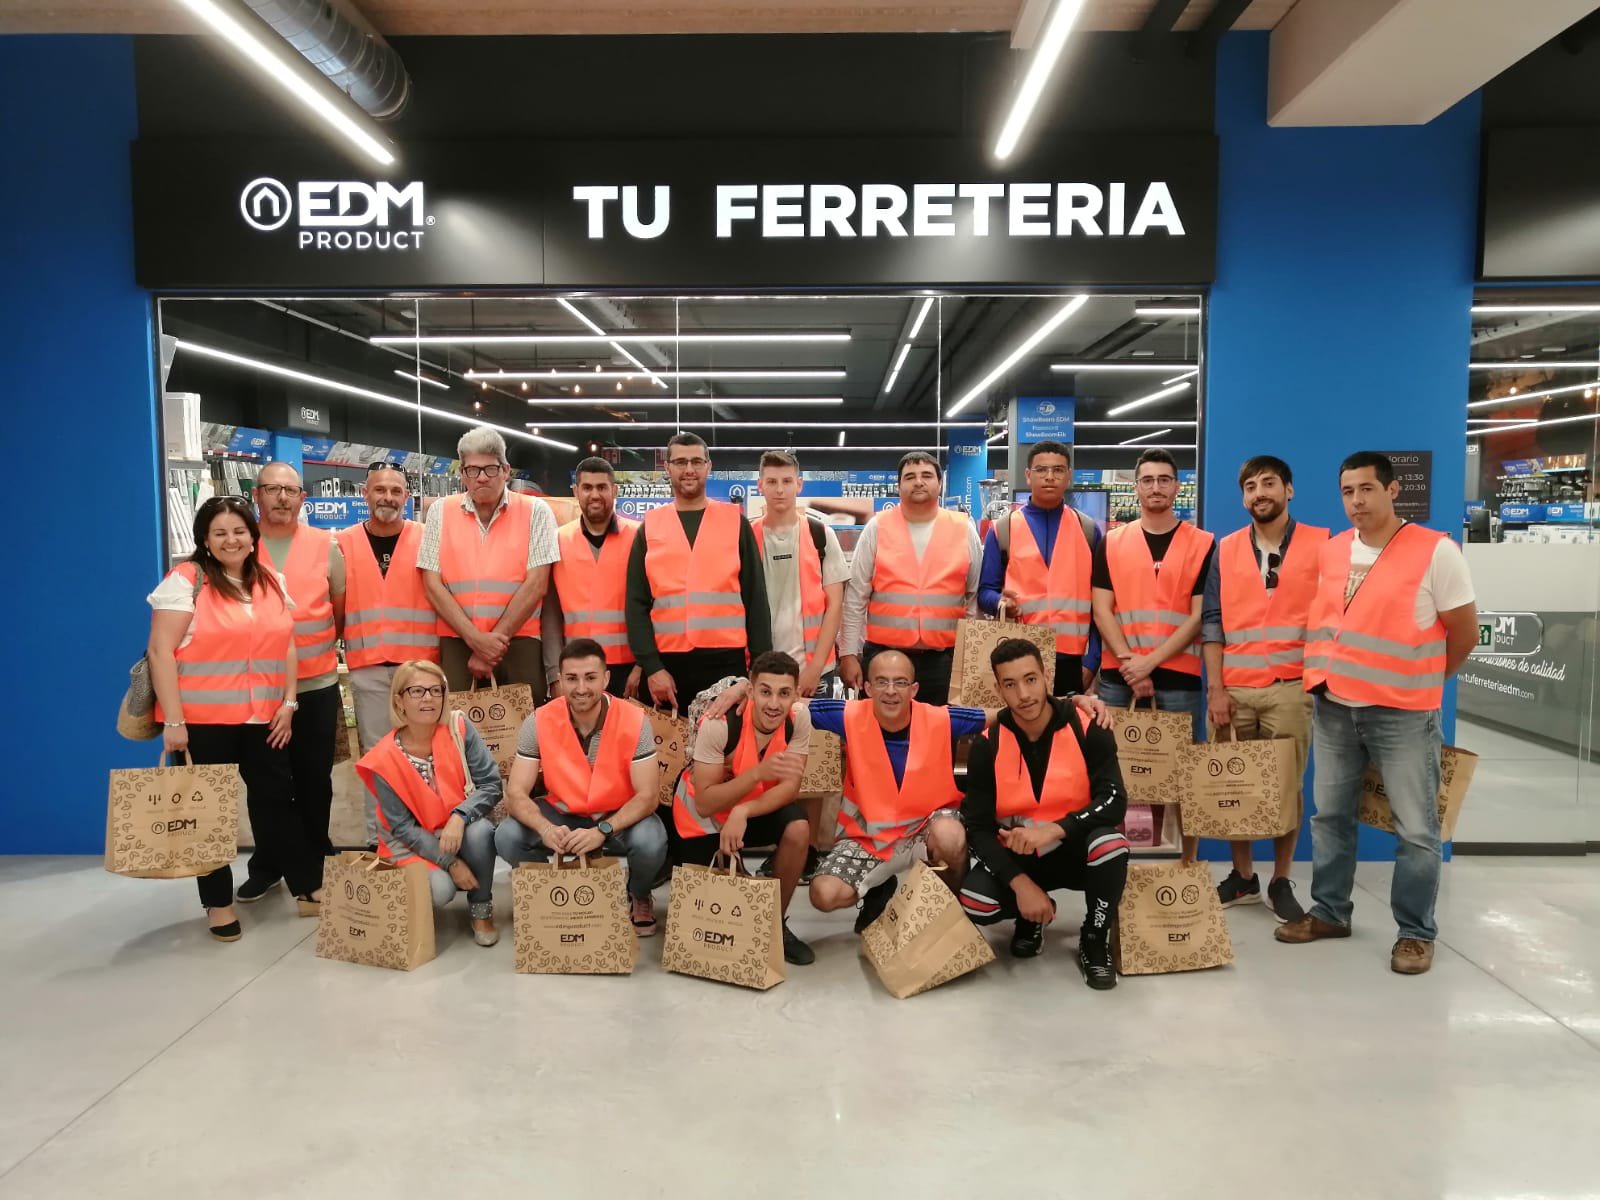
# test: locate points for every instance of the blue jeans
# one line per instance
(644, 845)
(1117, 695)
(1404, 746)
(477, 851)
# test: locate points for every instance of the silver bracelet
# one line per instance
(174, 724)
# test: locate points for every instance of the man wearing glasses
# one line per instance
(313, 568)
(485, 562)
(1253, 630)
(697, 597)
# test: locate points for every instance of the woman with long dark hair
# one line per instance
(222, 661)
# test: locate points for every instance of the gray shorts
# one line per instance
(853, 863)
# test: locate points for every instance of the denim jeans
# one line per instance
(1117, 695)
(1404, 746)
(644, 845)
(477, 851)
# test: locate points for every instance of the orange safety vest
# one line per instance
(593, 592)
(1371, 651)
(431, 806)
(387, 617)
(306, 573)
(813, 600)
(484, 570)
(1066, 781)
(696, 599)
(574, 784)
(1150, 604)
(876, 811)
(690, 821)
(1057, 593)
(235, 667)
(1264, 637)
(918, 602)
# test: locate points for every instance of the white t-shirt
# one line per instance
(781, 564)
(176, 594)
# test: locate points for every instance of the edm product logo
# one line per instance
(339, 214)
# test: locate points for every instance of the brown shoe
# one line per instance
(1310, 929)
(1411, 956)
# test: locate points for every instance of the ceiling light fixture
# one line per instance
(792, 424)
(654, 378)
(1174, 390)
(443, 387)
(1161, 310)
(827, 373)
(1526, 396)
(1536, 424)
(1122, 365)
(715, 450)
(591, 339)
(997, 436)
(251, 39)
(1132, 424)
(1046, 52)
(688, 401)
(1141, 437)
(334, 385)
(1051, 324)
(841, 437)
(1521, 364)
(911, 336)
(1535, 308)
(1141, 446)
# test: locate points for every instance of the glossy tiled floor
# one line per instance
(144, 1061)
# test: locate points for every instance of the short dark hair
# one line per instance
(1048, 447)
(684, 438)
(595, 466)
(1265, 464)
(581, 648)
(1155, 456)
(918, 456)
(1379, 463)
(1011, 649)
(775, 662)
(779, 458)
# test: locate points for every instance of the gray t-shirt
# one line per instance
(780, 561)
(528, 737)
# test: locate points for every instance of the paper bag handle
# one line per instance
(473, 686)
(176, 756)
(1133, 702)
(735, 863)
(557, 860)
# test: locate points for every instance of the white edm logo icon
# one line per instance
(265, 204)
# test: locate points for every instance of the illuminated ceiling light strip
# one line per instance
(1180, 378)
(1046, 52)
(911, 336)
(1141, 437)
(776, 424)
(1539, 395)
(333, 385)
(1535, 424)
(1536, 308)
(1160, 310)
(1051, 324)
(841, 437)
(1120, 365)
(1132, 424)
(1498, 420)
(673, 401)
(922, 315)
(828, 373)
(253, 45)
(1139, 446)
(799, 449)
(443, 387)
(654, 378)
(1528, 364)
(996, 437)
(1174, 390)
(589, 339)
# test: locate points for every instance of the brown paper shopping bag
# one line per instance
(1149, 744)
(1169, 920)
(374, 912)
(672, 747)
(498, 712)
(1239, 790)
(1456, 769)
(572, 919)
(923, 938)
(971, 676)
(725, 926)
(172, 822)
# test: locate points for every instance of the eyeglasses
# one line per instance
(382, 465)
(1157, 480)
(417, 692)
(482, 472)
(892, 685)
(1274, 561)
(280, 489)
(682, 463)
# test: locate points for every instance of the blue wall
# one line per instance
(1340, 319)
(80, 432)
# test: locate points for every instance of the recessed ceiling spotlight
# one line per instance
(1513, 391)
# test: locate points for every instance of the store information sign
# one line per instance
(1413, 469)
(1044, 418)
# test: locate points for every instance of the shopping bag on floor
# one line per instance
(1169, 920)
(572, 918)
(672, 747)
(1239, 790)
(374, 912)
(1149, 742)
(725, 926)
(1456, 769)
(971, 676)
(172, 822)
(923, 938)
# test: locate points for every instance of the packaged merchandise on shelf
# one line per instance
(1139, 826)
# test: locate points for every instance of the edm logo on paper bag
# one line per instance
(339, 214)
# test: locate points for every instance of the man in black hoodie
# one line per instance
(1044, 799)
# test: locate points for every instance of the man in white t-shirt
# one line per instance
(1394, 617)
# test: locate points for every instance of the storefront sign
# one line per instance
(1534, 680)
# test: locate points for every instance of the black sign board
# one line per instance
(1541, 204)
(1413, 470)
(1128, 211)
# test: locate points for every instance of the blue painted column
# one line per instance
(1340, 319)
(80, 433)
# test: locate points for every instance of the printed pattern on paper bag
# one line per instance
(374, 913)
(971, 676)
(824, 773)
(923, 939)
(1239, 789)
(1149, 744)
(724, 928)
(497, 713)
(672, 748)
(1170, 920)
(1456, 769)
(572, 920)
(172, 822)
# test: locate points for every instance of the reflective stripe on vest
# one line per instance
(306, 573)
(575, 785)
(1066, 781)
(1264, 636)
(387, 617)
(1372, 652)
(688, 818)
(593, 591)
(917, 602)
(234, 669)
(431, 806)
(712, 616)
(1151, 603)
(1057, 593)
(484, 570)
(876, 811)
(813, 600)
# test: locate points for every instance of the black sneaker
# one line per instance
(795, 951)
(1027, 938)
(764, 871)
(1236, 889)
(809, 871)
(1281, 902)
(252, 890)
(875, 901)
(1094, 960)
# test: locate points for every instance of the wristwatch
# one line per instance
(605, 828)
(291, 705)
